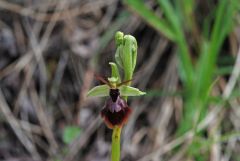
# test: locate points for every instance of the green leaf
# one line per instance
(172, 17)
(115, 72)
(150, 17)
(130, 91)
(70, 133)
(99, 91)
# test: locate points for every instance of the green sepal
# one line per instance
(99, 91)
(115, 72)
(118, 56)
(130, 91)
(129, 56)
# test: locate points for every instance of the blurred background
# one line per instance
(188, 63)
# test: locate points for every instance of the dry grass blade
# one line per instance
(16, 127)
(58, 16)
(164, 114)
(44, 121)
(233, 78)
(226, 94)
(167, 147)
(16, 66)
(82, 140)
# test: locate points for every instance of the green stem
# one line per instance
(116, 143)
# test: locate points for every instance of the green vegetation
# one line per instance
(184, 54)
(70, 133)
(208, 35)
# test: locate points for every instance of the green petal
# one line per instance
(130, 91)
(115, 72)
(99, 91)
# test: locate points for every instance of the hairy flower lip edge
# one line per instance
(123, 121)
(113, 119)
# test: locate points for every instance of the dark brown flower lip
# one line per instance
(115, 113)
